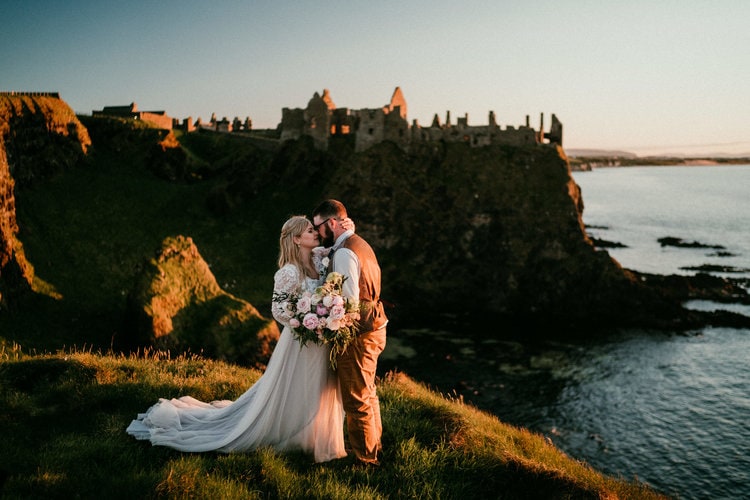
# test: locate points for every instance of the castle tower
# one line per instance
(398, 103)
(327, 99)
(318, 119)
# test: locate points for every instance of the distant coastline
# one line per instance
(584, 160)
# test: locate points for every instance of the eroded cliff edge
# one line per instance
(39, 135)
(495, 235)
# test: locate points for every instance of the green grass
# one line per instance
(63, 419)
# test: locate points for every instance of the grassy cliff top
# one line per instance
(63, 419)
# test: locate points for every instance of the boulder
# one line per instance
(178, 305)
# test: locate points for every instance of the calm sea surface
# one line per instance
(671, 409)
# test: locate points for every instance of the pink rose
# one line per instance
(333, 324)
(310, 321)
(338, 300)
(303, 304)
(328, 300)
(321, 310)
(337, 312)
(294, 323)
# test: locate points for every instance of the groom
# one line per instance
(352, 257)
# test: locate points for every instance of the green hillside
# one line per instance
(62, 417)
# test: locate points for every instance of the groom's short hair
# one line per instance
(330, 208)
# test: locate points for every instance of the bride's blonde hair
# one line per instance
(288, 250)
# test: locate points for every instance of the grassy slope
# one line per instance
(62, 418)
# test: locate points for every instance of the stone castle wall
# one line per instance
(322, 120)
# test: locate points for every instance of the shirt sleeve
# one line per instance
(346, 263)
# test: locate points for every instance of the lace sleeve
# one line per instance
(285, 284)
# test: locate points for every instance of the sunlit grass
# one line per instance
(63, 417)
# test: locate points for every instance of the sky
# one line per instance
(645, 76)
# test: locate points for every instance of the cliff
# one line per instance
(494, 235)
(39, 136)
(477, 237)
(489, 237)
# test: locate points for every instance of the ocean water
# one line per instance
(671, 409)
(635, 206)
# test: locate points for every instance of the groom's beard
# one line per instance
(327, 238)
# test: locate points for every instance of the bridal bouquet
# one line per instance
(323, 316)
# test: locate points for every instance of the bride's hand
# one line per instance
(347, 224)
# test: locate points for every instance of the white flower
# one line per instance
(328, 300)
(324, 263)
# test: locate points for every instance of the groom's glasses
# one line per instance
(317, 226)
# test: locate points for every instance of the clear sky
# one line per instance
(646, 76)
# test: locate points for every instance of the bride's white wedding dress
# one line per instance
(295, 405)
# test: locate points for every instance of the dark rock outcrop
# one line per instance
(177, 304)
(39, 136)
(490, 236)
(15, 272)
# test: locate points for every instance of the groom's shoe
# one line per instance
(361, 464)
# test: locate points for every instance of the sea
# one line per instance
(670, 409)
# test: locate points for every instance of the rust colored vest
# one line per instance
(372, 314)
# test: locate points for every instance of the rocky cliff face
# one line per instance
(488, 234)
(15, 273)
(38, 136)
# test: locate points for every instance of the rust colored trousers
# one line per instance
(356, 372)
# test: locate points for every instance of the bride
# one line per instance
(295, 405)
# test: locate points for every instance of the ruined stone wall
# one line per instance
(370, 128)
(396, 128)
(318, 121)
(160, 120)
(321, 119)
(521, 136)
(292, 124)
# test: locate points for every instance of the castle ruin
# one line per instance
(158, 118)
(321, 120)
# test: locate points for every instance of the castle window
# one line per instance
(345, 129)
(371, 131)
